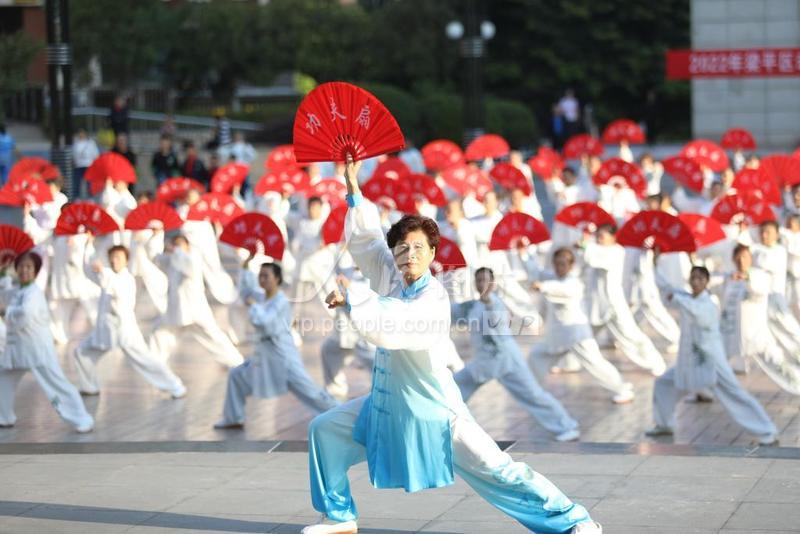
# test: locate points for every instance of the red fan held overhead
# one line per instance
(783, 169)
(546, 163)
(759, 182)
(487, 146)
(254, 232)
(706, 153)
(81, 217)
(706, 231)
(738, 139)
(330, 190)
(152, 215)
(228, 176)
(110, 166)
(337, 119)
(584, 215)
(623, 130)
(650, 229)
(742, 207)
(516, 229)
(288, 181)
(394, 168)
(29, 190)
(510, 177)
(448, 257)
(281, 159)
(582, 144)
(442, 154)
(9, 198)
(214, 207)
(686, 171)
(30, 167)
(177, 188)
(13, 242)
(629, 172)
(393, 194)
(465, 179)
(333, 227)
(424, 185)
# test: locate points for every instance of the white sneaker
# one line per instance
(179, 393)
(224, 424)
(769, 441)
(569, 435)
(85, 429)
(587, 527)
(659, 430)
(624, 397)
(347, 527)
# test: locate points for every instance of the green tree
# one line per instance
(17, 51)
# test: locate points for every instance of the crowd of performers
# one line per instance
(735, 302)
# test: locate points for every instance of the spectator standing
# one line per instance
(192, 166)
(164, 163)
(84, 152)
(118, 119)
(571, 110)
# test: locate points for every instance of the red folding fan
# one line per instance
(30, 190)
(281, 158)
(706, 230)
(330, 190)
(228, 176)
(393, 168)
(13, 242)
(515, 229)
(623, 130)
(686, 171)
(584, 215)
(546, 163)
(442, 154)
(214, 207)
(706, 153)
(153, 215)
(173, 189)
(110, 165)
(738, 139)
(654, 228)
(582, 144)
(29, 166)
(80, 217)
(796, 153)
(289, 181)
(9, 198)
(785, 170)
(464, 179)
(337, 119)
(510, 177)
(758, 181)
(487, 146)
(333, 227)
(425, 185)
(630, 172)
(395, 194)
(742, 207)
(254, 231)
(448, 257)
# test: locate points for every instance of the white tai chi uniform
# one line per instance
(567, 332)
(188, 309)
(702, 364)
(275, 367)
(145, 246)
(792, 242)
(649, 297)
(745, 330)
(116, 326)
(69, 288)
(29, 347)
(609, 308)
(496, 355)
(782, 323)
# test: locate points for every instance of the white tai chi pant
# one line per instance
(742, 407)
(240, 386)
(522, 385)
(782, 323)
(634, 344)
(658, 316)
(155, 371)
(335, 358)
(59, 391)
(62, 311)
(588, 354)
(163, 341)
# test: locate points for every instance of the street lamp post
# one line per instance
(59, 66)
(472, 36)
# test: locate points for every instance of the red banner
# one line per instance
(735, 63)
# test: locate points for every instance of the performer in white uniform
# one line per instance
(29, 347)
(414, 430)
(702, 364)
(69, 288)
(116, 326)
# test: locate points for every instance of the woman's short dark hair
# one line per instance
(738, 249)
(31, 255)
(412, 223)
(564, 251)
(607, 227)
(119, 248)
(276, 270)
(702, 270)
